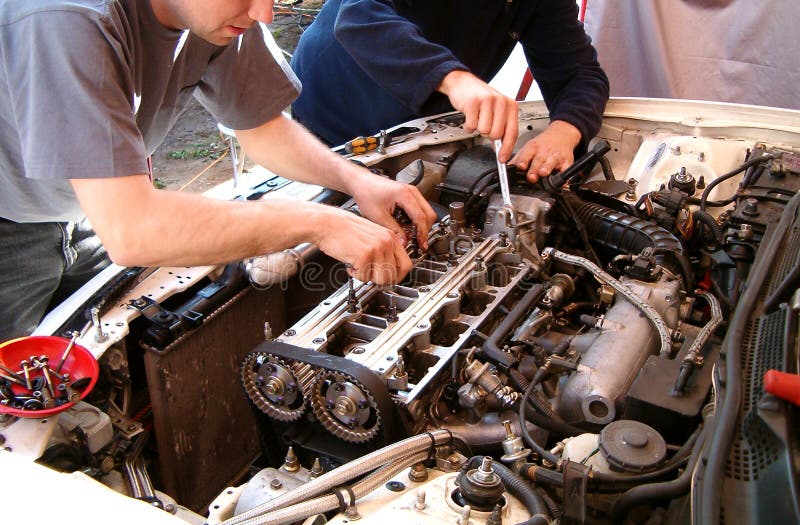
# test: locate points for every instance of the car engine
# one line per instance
(565, 358)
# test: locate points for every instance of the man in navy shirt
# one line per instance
(367, 65)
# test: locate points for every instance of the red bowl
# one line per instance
(79, 364)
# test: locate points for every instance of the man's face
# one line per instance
(218, 21)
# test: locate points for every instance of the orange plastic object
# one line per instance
(783, 385)
(79, 364)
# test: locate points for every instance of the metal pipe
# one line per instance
(649, 312)
(328, 502)
(348, 471)
(693, 359)
(136, 473)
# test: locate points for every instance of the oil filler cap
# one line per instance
(631, 446)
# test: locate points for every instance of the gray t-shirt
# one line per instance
(89, 88)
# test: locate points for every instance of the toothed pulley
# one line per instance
(272, 386)
(344, 407)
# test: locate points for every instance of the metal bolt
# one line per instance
(745, 232)
(419, 504)
(352, 300)
(100, 336)
(463, 519)
(496, 517)
(26, 371)
(139, 303)
(12, 380)
(275, 484)
(391, 316)
(400, 370)
(630, 195)
(45, 398)
(509, 429)
(485, 472)
(476, 235)
(455, 461)
(750, 207)
(13, 374)
(418, 473)
(316, 469)
(345, 406)
(290, 463)
(503, 239)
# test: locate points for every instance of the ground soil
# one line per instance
(194, 156)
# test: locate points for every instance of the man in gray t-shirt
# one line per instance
(89, 88)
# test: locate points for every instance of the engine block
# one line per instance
(405, 335)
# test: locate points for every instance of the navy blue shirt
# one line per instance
(367, 65)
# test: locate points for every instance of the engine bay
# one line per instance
(564, 359)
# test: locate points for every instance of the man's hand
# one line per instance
(378, 197)
(550, 150)
(485, 109)
(373, 252)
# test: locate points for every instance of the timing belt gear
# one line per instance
(358, 384)
(273, 386)
(345, 407)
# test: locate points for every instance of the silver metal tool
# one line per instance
(503, 175)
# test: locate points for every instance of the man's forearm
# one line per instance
(143, 226)
(287, 148)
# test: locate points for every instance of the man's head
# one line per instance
(218, 21)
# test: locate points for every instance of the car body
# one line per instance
(632, 312)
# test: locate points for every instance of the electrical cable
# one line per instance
(722, 178)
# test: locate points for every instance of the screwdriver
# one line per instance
(361, 144)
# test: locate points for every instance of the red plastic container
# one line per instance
(79, 364)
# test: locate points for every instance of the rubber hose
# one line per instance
(656, 491)
(558, 427)
(684, 266)
(625, 233)
(513, 482)
(722, 178)
(491, 347)
(552, 506)
(622, 232)
(708, 220)
(523, 404)
(519, 381)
